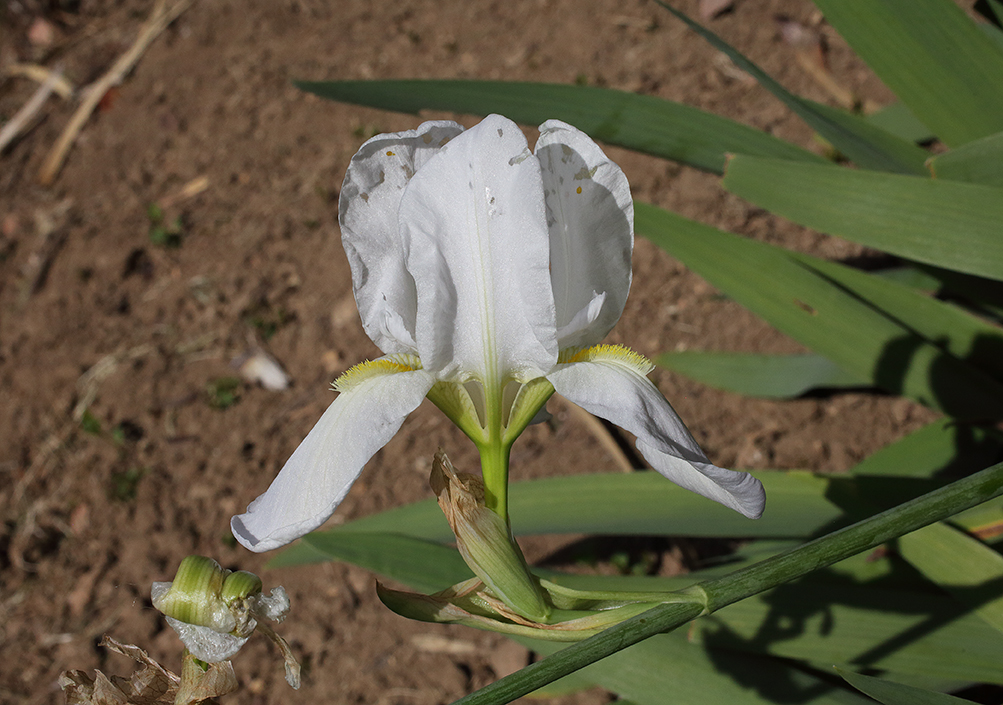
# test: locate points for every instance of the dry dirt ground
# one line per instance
(96, 317)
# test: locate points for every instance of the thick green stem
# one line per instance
(494, 467)
(494, 453)
(932, 507)
(513, 583)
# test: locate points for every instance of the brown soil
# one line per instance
(95, 316)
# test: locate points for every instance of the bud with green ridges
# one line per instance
(240, 585)
(215, 611)
(195, 595)
(485, 541)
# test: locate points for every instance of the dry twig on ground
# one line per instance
(13, 127)
(160, 18)
(41, 74)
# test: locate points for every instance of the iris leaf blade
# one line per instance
(861, 141)
(907, 632)
(891, 693)
(961, 564)
(939, 447)
(640, 122)
(977, 162)
(822, 315)
(699, 677)
(965, 336)
(640, 503)
(766, 376)
(943, 223)
(421, 564)
(935, 59)
(901, 122)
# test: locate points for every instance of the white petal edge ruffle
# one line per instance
(370, 198)
(622, 395)
(320, 472)
(590, 217)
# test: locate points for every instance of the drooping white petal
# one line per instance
(320, 472)
(620, 393)
(476, 242)
(370, 196)
(591, 221)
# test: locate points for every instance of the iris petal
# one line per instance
(318, 475)
(370, 197)
(591, 221)
(477, 245)
(614, 388)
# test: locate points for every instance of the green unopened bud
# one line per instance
(215, 611)
(195, 596)
(485, 542)
(240, 585)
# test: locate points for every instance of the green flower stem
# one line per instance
(915, 514)
(494, 451)
(494, 468)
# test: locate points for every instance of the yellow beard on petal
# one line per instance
(392, 364)
(608, 353)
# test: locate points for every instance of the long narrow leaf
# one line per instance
(890, 693)
(695, 674)
(666, 668)
(996, 7)
(933, 56)
(962, 565)
(634, 504)
(639, 504)
(822, 315)
(944, 223)
(908, 629)
(993, 34)
(978, 162)
(960, 333)
(863, 142)
(420, 564)
(645, 123)
(767, 376)
(982, 295)
(910, 633)
(944, 446)
(910, 275)
(901, 122)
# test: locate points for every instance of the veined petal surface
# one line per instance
(320, 472)
(620, 393)
(476, 242)
(590, 217)
(370, 197)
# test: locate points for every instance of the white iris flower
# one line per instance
(487, 274)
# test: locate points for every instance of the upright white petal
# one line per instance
(591, 221)
(620, 394)
(370, 197)
(320, 472)
(476, 242)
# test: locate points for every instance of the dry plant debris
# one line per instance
(159, 20)
(152, 684)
